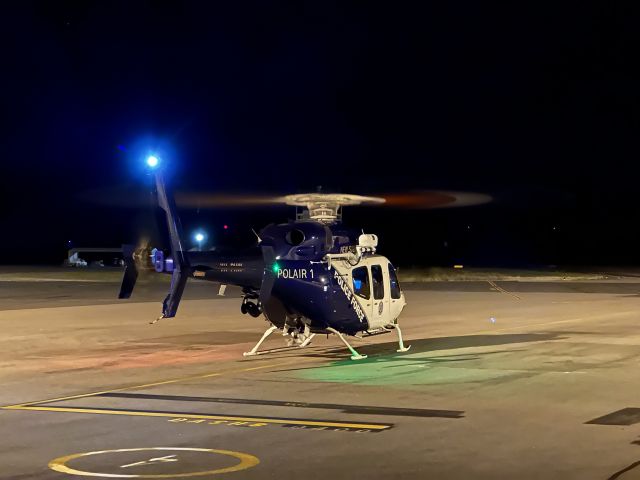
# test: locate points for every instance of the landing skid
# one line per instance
(254, 351)
(354, 354)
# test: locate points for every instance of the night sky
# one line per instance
(533, 103)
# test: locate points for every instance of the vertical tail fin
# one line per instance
(166, 202)
(182, 269)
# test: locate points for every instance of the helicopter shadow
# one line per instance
(387, 351)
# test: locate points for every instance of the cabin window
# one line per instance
(360, 277)
(393, 281)
(378, 282)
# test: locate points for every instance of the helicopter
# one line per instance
(309, 276)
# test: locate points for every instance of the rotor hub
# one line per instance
(326, 207)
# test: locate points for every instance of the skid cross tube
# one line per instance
(401, 347)
(254, 350)
(354, 354)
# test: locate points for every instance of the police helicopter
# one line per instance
(307, 277)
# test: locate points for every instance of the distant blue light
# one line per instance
(152, 161)
(199, 237)
(357, 283)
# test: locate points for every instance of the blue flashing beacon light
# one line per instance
(153, 161)
(199, 237)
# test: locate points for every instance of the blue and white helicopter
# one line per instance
(307, 277)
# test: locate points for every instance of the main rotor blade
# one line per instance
(225, 200)
(427, 199)
(435, 199)
(128, 196)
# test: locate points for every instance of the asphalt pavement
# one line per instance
(503, 380)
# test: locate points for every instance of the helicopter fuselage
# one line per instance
(317, 279)
(307, 276)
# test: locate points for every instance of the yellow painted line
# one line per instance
(279, 421)
(146, 385)
(246, 461)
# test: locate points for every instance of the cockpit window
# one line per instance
(378, 282)
(360, 277)
(393, 280)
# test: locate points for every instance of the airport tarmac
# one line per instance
(522, 380)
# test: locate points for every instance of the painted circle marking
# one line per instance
(246, 461)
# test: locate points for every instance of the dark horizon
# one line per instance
(535, 105)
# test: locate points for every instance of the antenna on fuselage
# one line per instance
(257, 236)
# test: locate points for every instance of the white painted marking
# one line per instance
(151, 461)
